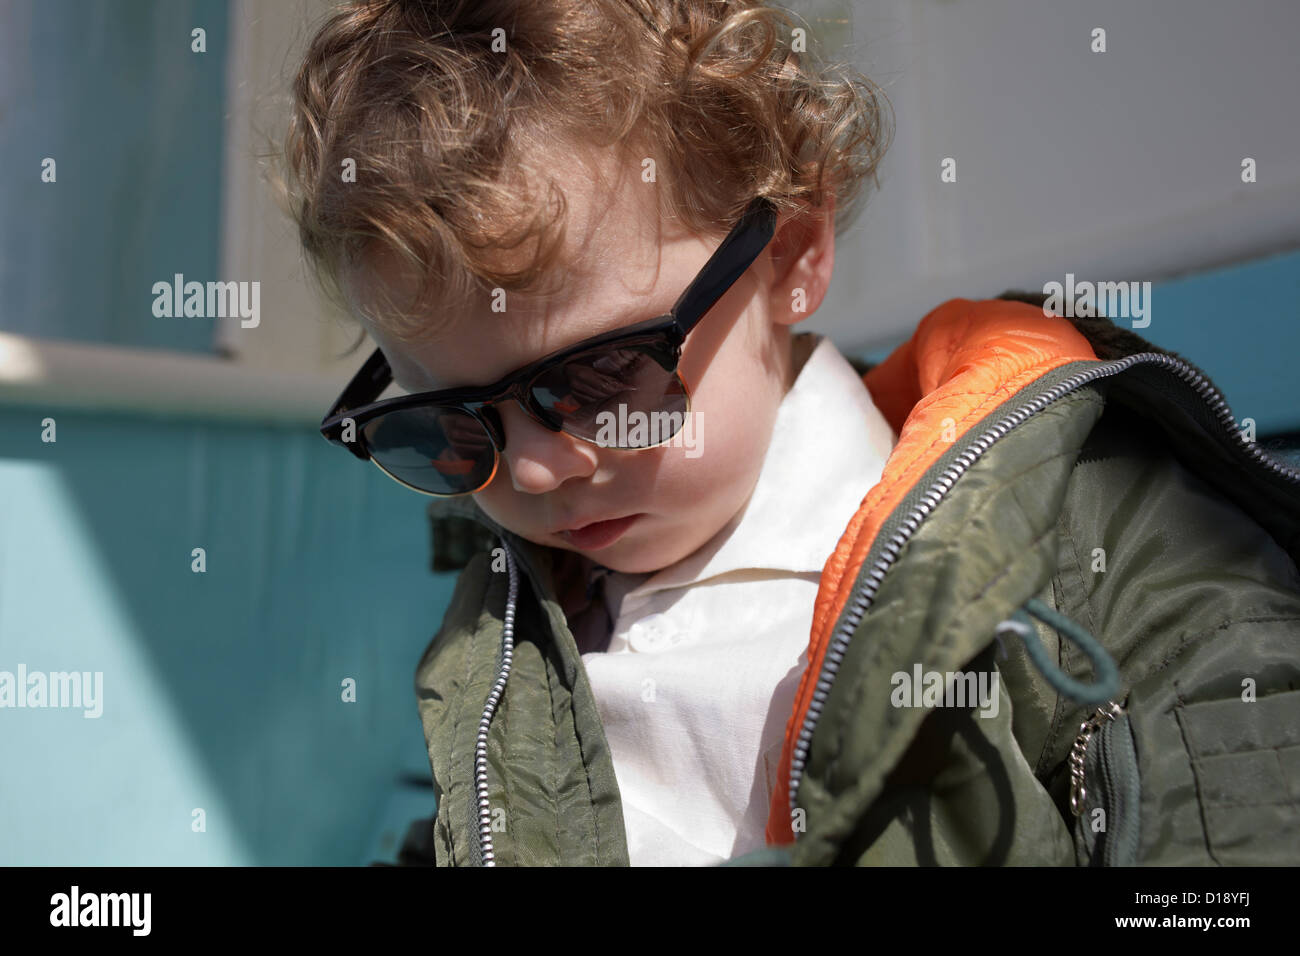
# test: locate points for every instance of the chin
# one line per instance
(636, 561)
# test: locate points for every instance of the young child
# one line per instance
(1019, 594)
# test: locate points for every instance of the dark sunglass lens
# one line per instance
(445, 451)
(621, 398)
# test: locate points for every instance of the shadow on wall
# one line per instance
(225, 737)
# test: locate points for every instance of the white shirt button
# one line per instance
(654, 633)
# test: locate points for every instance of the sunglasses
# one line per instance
(448, 443)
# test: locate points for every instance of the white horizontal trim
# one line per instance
(157, 382)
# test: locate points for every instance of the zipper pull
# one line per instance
(1079, 752)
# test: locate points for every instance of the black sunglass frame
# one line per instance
(662, 336)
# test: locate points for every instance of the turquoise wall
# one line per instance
(1239, 324)
(221, 690)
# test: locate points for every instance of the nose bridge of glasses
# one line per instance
(521, 393)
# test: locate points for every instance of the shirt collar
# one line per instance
(828, 449)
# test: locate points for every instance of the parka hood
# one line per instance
(964, 359)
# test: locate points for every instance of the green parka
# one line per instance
(1057, 482)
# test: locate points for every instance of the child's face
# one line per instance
(736, 361)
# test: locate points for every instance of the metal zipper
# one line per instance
(494, 698)
(1079, 752)
(863, 597)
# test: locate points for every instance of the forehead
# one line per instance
(622, 266)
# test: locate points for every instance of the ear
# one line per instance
(802, 252)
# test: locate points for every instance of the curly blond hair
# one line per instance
(444, 105)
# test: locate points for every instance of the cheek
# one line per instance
(736, 409)
(498, 501)
(718, 448)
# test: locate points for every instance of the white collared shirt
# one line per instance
(700, 674)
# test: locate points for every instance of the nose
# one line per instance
(539, 459)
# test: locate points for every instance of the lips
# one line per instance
(587, 523)
(598, 534)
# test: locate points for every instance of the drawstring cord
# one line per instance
(1106, 683)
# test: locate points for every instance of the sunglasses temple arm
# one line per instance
(367, 385)
(727, 264)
